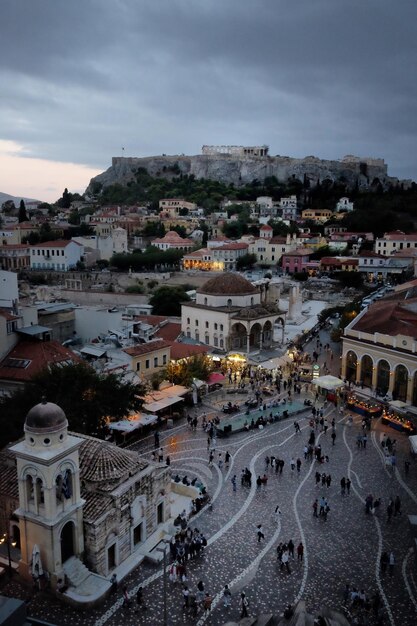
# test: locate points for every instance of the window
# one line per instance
(207, 324)
(155, 361)
(215, 325)
(216, 342)
(147, 364)
(188, 320)
(207, 339)
(196, 322)
(197, 335)
(138, 366)
(164, 359)
(221, 326)
(221, 343)
(137, 534)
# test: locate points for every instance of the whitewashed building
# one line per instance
(55, 255)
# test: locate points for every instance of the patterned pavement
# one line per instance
(344, 549)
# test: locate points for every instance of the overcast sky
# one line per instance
(82, 78)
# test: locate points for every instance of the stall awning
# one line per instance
(328, 382)
(398, 404)
(128, 426)
(164, 403)
(215, 377)
(413, 443)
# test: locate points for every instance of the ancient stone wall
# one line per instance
(239, 170)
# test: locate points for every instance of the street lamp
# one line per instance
(163, 550)
(6, 539)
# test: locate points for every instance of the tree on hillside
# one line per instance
(88, 399)
(167, 301)
(23, 216)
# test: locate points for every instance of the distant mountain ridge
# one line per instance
(4, 197)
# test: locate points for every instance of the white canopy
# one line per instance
(162, 404)
(397, 404)
(328, 382)
(413, 443)
(128, 426)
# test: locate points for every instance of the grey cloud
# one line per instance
(82, 78)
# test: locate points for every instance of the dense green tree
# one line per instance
(246, 261)
(198, 366)
(167, 300)
(23, 216)
(88, 399)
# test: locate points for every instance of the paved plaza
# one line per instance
(346, 548)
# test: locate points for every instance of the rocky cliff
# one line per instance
(241, 170)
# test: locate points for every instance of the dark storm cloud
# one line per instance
(82, 78)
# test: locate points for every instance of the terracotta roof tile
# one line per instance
(38, 355)
(147, 348)
(184, 350)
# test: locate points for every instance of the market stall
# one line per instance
(363, 407)
(329, 386)
(395, 418)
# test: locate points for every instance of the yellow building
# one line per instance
(148, 358)
(317, 215)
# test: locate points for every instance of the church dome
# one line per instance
(45, 417)
(227, 284)
(104, 463)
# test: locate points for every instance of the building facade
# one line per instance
(55, 255)
(380, 349)
(231, 314)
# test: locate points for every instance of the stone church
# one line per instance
(87, 505)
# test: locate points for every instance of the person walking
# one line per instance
(139, 600)
(186, 596)
(315, 507)
(342, 486)
(300, 552)
(298, 465)
(244, 604)
(397, 506)
(277, 514)
(391, 563)
(227, 459)
(227, 597)
(291, 548)
(384, 560)
(208, 600)
(285, 561)
(328, 480)
(333, 436)
(348, 484)
(233, 480)
(126, 598)
(260, 533)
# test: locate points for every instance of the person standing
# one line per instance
(343, 486)
(227, 459)
(233, 480)
(244, 604)
(315, 507)
(227, 597)
(333, 436)
(126, 599)
(156, 439)
(298, 465)
(291, 548)
(397, 506)
(348, 484)
(300, 552)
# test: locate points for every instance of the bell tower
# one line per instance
(50, 506)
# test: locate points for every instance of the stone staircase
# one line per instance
(75, 572)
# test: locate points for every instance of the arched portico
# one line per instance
(367, 369)
(351, 366)
(399, 391)
(383, 377)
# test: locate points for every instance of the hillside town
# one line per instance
(160, 364)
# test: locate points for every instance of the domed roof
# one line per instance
(227, 284)
(45, 417)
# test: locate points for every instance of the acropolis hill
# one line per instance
(242, 164)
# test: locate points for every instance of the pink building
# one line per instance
(297, 260)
